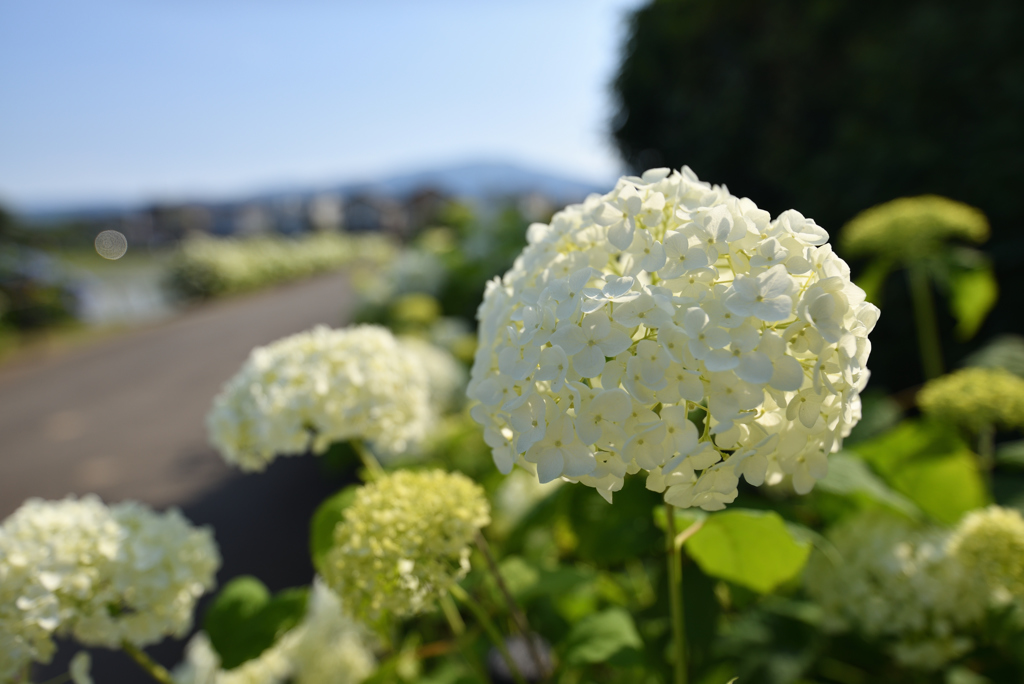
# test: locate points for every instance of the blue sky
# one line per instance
(121, 100)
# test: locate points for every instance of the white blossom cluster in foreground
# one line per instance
(306, 391)
(103, 575)
(923, 591)
(632, 310)
(327, 647)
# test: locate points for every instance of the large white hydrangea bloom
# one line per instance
(322, 386)
(327, 647)
(104, 575)
(634, 309)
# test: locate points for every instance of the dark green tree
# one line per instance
(833, 106)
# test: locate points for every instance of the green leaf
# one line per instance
(244, 620)
(628, 521)
(751, 548)
(975, 292)
(528, 582)
(327, 516)
(601, 636)
(931, 465)
(849, 475)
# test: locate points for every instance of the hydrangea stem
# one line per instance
(485, 621)
(455, 621)
(374, 469)
(924, 318)
(513, 608)
(155, 669)
(675, 594)
(59, 679)
(451, 614)
(987, 447)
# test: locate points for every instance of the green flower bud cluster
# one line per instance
(403, 541)
(990, 544)
(912, 226)
(976, 397)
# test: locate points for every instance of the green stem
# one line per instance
(926, 323)
(451, 614)
(484, 619)
(513, 608)
(455, 621)
(59, 679)
(675, 594)
(987, 446)
(374, 469)
(155, 669)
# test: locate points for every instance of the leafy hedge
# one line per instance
(209, 267)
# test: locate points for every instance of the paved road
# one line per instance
(124, 417)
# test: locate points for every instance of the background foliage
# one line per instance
(832, 107)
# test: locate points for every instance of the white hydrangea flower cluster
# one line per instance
(896, 582)
(322, 386)
(327, 647)
(925, 590)
(29, 614)
(668, 295)
(403, 541)
(104, 575)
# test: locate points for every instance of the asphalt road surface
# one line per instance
(124, 418)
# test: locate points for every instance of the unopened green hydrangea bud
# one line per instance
(975, 398)
(990, 543)
(404, 540)
(912, 226)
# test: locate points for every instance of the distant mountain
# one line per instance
(477, 181)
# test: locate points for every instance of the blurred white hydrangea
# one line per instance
(104, 575)
(446, 377)
(895, 581)
(923, 590)
(327, 647)
(29, 613)
(635, 308)
(404, 540)
(322, 386)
